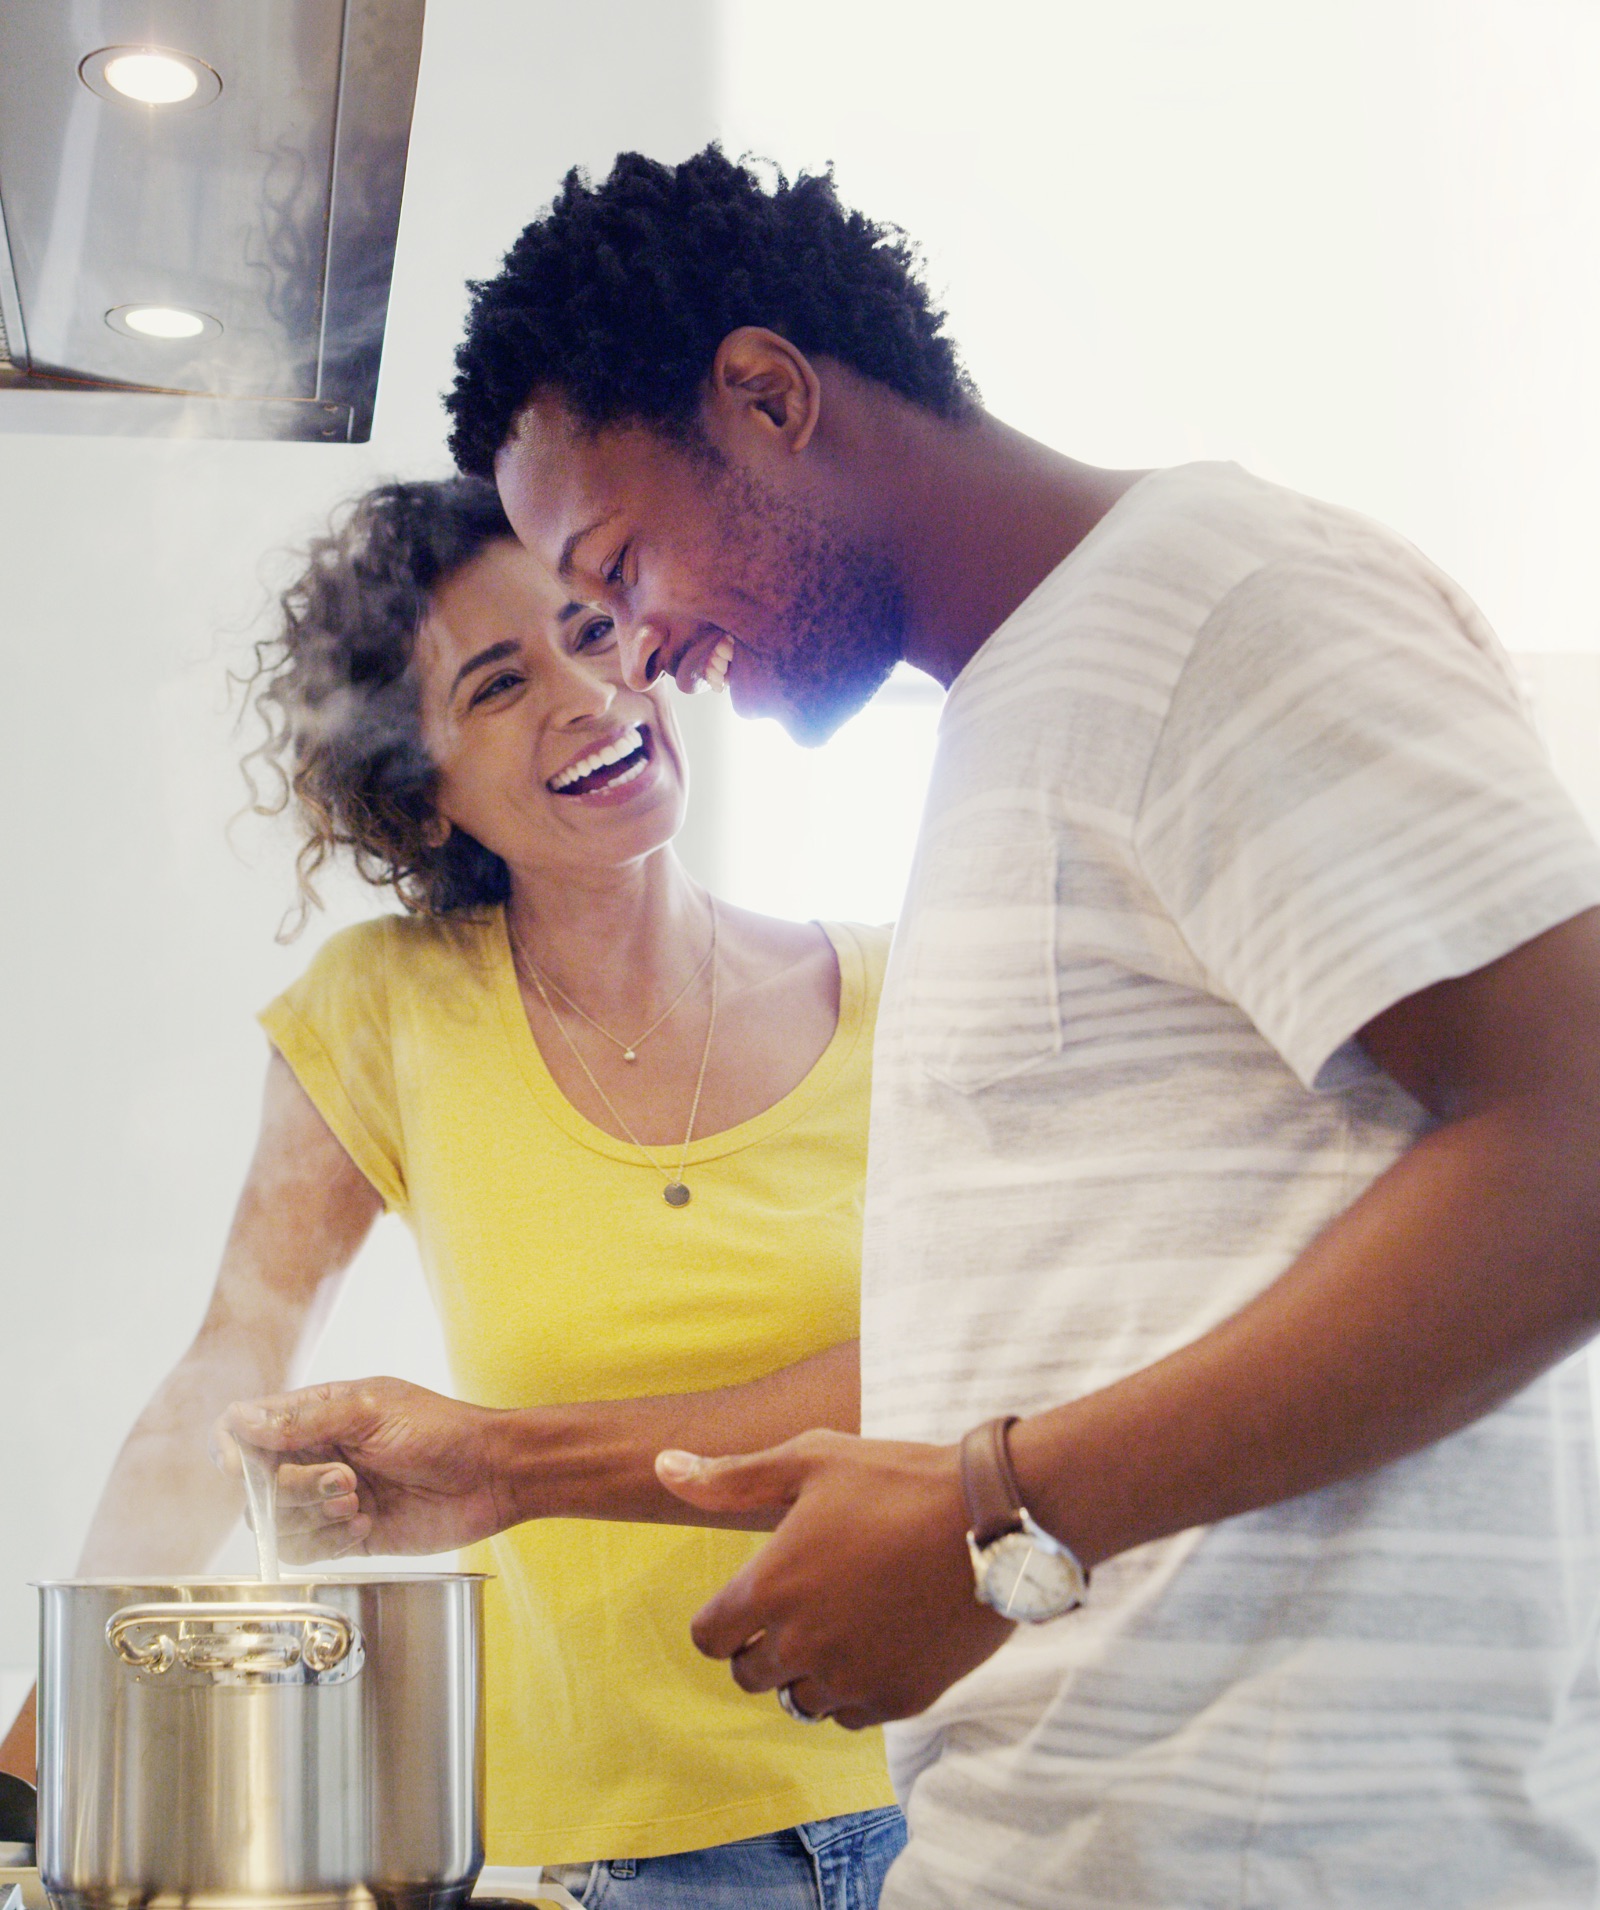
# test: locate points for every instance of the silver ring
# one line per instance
(795, 1710)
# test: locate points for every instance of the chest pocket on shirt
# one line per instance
(981, 1002)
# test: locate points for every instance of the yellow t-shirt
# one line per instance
(560, 1274)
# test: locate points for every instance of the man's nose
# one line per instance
(644, 655)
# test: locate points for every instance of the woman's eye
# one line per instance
(494, 686)
(596, 634)
(614, 574)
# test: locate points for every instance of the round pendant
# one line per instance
(676, 1195)
(629, 1055)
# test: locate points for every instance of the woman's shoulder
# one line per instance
(408, 939)
(869, 944)
(398, 952)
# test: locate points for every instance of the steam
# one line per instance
(261, 1495)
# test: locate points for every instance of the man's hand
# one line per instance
(373, 1465)
(862, 1599)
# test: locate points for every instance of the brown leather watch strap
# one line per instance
(994, 1501)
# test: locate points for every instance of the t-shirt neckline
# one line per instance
(1141, 489)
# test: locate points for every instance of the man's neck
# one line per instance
(978, 515)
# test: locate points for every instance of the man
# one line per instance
(1234, 1208)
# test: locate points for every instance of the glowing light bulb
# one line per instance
(153, 78)
(162, 76)
(163, 321)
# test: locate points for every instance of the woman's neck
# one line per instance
(614, 939)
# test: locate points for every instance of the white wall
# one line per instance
(1353, 244)
(138, 946)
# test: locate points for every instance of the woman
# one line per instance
(627, 1126)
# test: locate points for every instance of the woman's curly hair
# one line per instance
(617, 299)
(338, 697)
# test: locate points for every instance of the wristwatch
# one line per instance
(1021, 1571)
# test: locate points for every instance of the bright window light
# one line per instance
(156, 79)
(828, 833)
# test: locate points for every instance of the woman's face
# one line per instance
(543, 754)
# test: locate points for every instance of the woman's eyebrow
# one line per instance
(496, 653)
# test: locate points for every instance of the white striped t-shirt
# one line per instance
(1242, 772)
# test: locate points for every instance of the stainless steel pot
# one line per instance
(227, 1745)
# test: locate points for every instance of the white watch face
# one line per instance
(1027, 1576)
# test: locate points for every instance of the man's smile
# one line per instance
(704, 665)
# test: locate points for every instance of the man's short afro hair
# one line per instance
(617, 299)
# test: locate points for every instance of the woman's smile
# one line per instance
(610, 772)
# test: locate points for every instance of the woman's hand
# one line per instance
(373, 1465)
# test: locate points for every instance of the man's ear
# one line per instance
(761, 383)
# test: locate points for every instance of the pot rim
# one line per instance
(301, 1583)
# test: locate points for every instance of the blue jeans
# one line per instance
(837, 1863)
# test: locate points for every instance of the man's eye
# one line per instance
(494, 686)
(596, 634)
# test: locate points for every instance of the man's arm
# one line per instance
(433, 1473)
(1463, 1272)
(304, 1210)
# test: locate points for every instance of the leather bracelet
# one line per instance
(988, 1483)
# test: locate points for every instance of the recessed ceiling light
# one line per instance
(150, 75)
(155, 78)
(160, 321)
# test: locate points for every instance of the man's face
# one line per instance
(708, 565)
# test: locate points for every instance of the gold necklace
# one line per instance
(676, 1192)
(630, 1049)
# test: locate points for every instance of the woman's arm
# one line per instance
(433, 1473)
(304, 1211)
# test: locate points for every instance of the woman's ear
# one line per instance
(760, 382)
(435, 832)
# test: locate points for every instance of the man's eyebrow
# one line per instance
(564, 567)
(496, 653)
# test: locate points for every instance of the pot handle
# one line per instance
(327, 1636)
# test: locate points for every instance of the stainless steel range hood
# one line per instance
(258, 214)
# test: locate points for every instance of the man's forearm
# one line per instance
(596, 1460)
(1463, 1272)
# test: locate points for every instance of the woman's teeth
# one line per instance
(625, 745)
(628, 775)
(715, 675)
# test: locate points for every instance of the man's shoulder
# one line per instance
(1071, 695)
(1123, 609)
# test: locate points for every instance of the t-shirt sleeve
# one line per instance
(1348, 803)
(332, 1026)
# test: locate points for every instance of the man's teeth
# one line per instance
(625, 745)
(715, 675)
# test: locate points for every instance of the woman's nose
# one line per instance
(586, 690)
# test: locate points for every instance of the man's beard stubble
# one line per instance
(840, 603)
